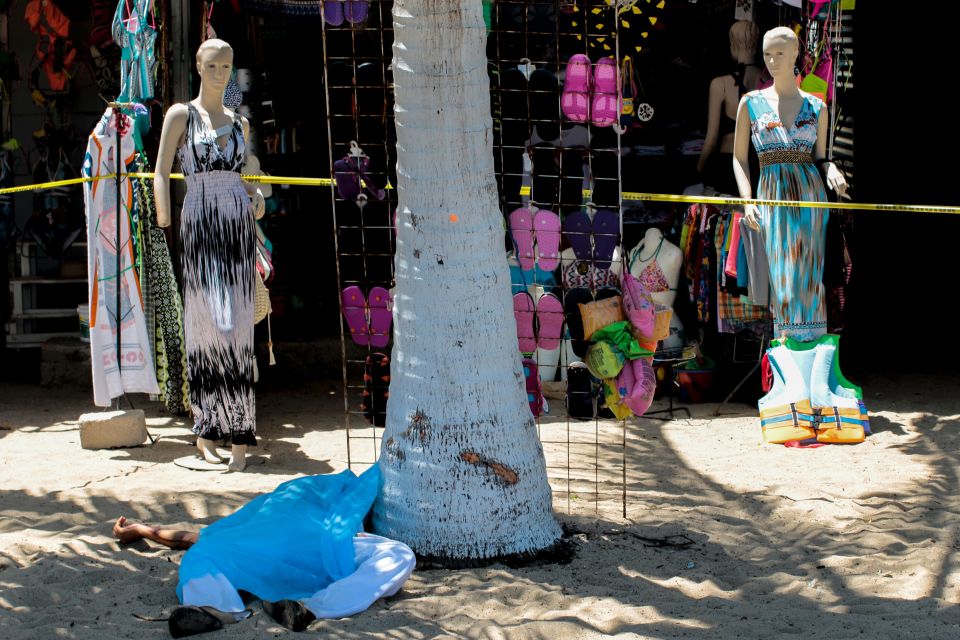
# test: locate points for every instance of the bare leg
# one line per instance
(208, 450)
(173, 538)
(238, 457)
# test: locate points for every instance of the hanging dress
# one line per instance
(135, 372)
(217, 253)
(161, 299)
(134, 31)
(794, 237)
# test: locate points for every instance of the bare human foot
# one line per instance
(208, 451)
(126, 533)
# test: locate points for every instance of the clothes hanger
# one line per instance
(355, 150)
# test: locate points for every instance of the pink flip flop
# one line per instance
(381, 317)
(546, 226)
(549, 321)
(521, 228)
(523, 311)
(605, 108)
(575, 99)
(353, 311)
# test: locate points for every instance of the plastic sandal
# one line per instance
(575, 99)
(605, 107)
(381, 316)
(546, 226)
(549, 321)
(521, 228)
(354, 312)
(523, 311)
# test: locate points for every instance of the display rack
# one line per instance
(36, 286)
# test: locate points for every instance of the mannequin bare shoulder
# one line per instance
(174, 126)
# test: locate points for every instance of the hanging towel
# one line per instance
(136, 372)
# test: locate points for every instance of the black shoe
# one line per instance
(290, 613)
(190, 621)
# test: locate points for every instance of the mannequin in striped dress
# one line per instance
(218, 245)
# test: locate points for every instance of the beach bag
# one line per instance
(614, 393)
(639, 307)
(600, 313)
(619, 335)
(642, 380)
(604, 360)
(818, 80)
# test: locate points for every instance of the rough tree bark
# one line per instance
(464, 473)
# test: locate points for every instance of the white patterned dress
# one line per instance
(217, 253)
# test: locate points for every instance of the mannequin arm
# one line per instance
(253, 190)
(715, 106)
(834, 176)
(174, 126)
(741, 162)
(741, 151)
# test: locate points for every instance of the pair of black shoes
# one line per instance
(191, 621)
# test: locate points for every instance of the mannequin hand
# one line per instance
(163, 223)
(259, 204)
(751, 213)
(836, 179)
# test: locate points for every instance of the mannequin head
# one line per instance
(780, 51)
(214, 64)
(744, 35)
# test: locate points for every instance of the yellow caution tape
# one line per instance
(49, 185)
(298, 182)
(525, 191)
(740, 202)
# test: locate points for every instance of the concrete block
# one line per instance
(110, 429)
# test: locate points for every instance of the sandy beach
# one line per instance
(836, 542)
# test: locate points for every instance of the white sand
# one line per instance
(836, 542)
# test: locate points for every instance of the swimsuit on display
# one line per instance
(134, 29)
(727, 124)
(652, 277)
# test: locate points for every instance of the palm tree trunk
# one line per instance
(464, 473)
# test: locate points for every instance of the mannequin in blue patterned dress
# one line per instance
(217, 253)
(789, 130)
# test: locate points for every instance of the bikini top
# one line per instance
(727, 124)
(652, 276)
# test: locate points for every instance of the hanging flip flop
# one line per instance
(521, 228)
(576, 228)
(580, 392)
(549, 321)
(523, 312)
(333, 12)
(571, 305)
(531, 376)
(355, 11)
(354, 312)
(376, 389)
(546, 227)
(544, 95)
(606, 235)
(381, 316)
(575, 99)
(605, 107)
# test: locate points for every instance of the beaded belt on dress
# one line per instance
(785, 157)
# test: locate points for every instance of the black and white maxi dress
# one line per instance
(217, 253)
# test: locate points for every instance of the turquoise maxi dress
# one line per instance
(794, 237)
